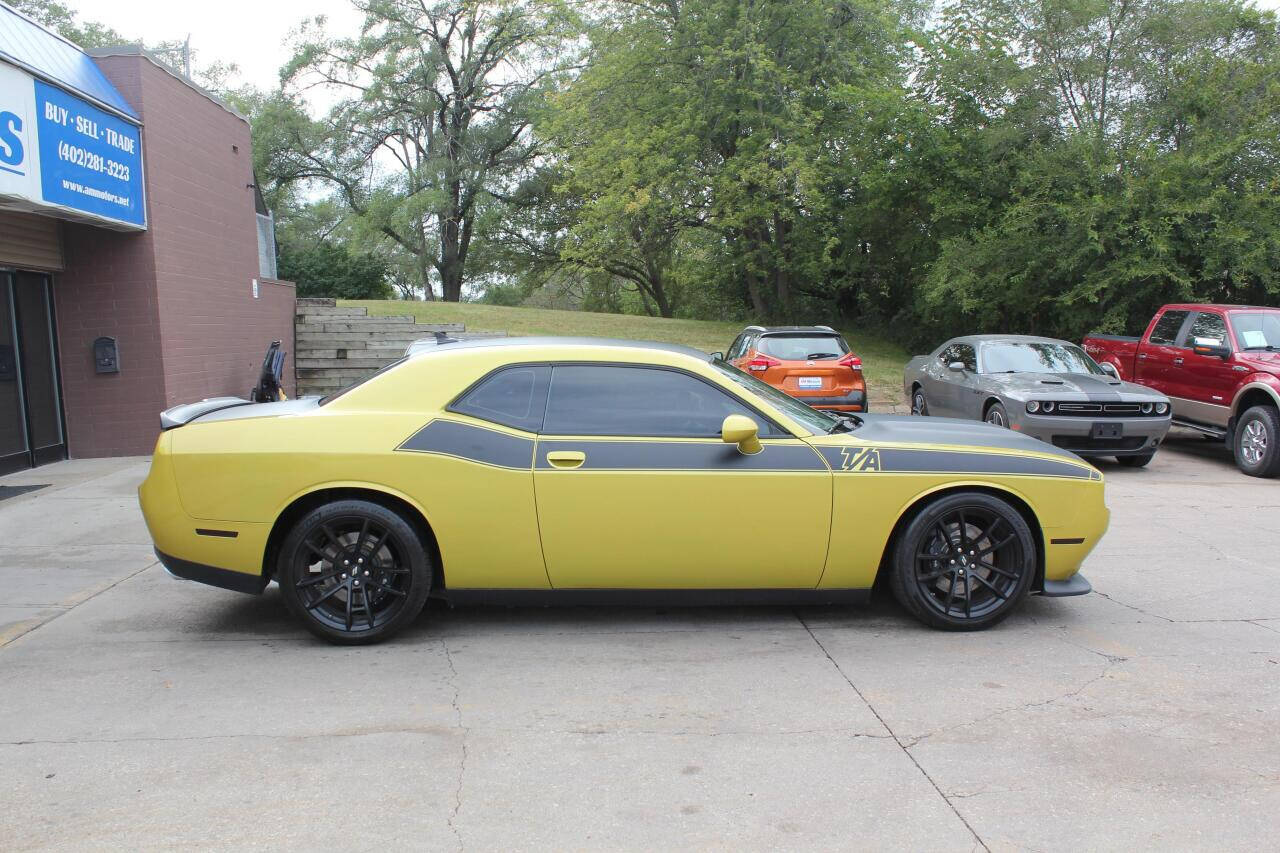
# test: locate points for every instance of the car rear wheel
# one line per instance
(919, 406)
(1135, 461)
(996, 415)
(1256, 442)
(964, 562)
(354, 572)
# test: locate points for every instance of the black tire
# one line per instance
(919, 406)
(1256, 442)
(996, 415)
(930, 573)
(385, 592)
(1139, 461)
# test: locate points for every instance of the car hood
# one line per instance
(1085, 386)
(918, 430)
(1261, 361)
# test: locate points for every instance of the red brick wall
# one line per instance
(180, 296)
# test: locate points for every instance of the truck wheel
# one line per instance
(1257, 442)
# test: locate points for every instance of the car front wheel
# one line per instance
(1256, 442)
(964, 562)
(997, 416)
(919, 406)
(354, 572)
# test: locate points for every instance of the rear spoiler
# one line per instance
(187, 412)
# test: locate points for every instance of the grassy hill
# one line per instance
(882, 360)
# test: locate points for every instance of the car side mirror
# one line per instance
(742, 431)
(1108, 367)
(957, 366)
(1211, 346)
(717, 356)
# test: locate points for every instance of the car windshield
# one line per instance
(1037, 357)
(1257, 330)
(812, 419)
(803, 346)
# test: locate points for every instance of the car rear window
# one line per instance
(803, 347)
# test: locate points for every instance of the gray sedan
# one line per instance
(1049, 389)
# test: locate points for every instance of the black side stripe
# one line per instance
(682, 456)
(896, 460)
(473, 443)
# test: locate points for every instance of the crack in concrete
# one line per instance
(1131, 607)
(905, 751)
(22, 629)
(462, 764)
(1112, 661)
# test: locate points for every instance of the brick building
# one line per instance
(136, 265)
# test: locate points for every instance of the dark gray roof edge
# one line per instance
(553, 340)
(139, 50)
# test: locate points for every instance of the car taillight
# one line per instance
(762, 363)
(851, 361)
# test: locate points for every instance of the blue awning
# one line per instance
(28, 45)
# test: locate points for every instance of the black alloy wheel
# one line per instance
(964, 562)
(354, 572)
(919, 406)
(996, 415)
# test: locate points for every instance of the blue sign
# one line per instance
(90, 160)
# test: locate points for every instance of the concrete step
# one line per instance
(305, 314)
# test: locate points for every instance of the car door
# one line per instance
(936, 378)
(1154, 363)
(635, 489)
(1205, 382)
(962, 390)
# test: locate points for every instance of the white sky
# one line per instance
(254, 34)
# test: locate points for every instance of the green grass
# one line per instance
(882, 360)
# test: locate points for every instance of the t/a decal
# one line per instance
(859, 459)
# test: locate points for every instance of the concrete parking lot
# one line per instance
(140, 712)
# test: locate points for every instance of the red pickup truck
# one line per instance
(1219, 365)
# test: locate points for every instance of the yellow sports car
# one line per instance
(543, 470)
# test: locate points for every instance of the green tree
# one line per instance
(432, 117)
(328, 270)
(1100, 157)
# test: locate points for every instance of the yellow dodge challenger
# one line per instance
(550, 470)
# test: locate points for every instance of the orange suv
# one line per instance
(811, 363)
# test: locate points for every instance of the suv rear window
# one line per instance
(803, 347)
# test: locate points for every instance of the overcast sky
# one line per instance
(254, 34)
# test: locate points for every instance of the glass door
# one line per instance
(31, 428)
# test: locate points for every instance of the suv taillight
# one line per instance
(851, 361)
(761, 363)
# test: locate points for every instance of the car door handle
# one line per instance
(1178, 360)
(1142, 356)
(566, 458)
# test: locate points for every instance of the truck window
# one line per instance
(1207, 325)
(1166, 331)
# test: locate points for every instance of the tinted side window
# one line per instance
(965, 353)
(641, 401)
(1207, 325)
(948, 355)
(514, 397)
(1166, 331)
